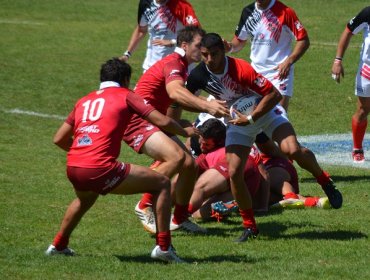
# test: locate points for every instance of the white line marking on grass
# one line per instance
(26, 22)
(331, 149)
(335, 149)
(35, 114)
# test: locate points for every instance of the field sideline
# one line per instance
(50, 55)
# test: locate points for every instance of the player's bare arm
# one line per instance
(136, 37)
(234, 46)
(337, 69)
(188, 101)
(63, 137)
(300, 48)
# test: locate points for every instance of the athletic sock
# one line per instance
(191, 209)
(180, 214)
(146, 200)
(60, 242)
(358, 133)
(323, 179)
(291, 195)
(311, 201)
(248, 218)
(163, 240)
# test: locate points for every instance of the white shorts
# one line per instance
(246, 135)
(285, 87)
(363, 80)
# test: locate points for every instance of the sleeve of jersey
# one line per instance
(174, 70)
(357, 23)
(71, 117)
(255, 81)
(240, 31)
(202, 163)
(138, 104)
(295, 25)
(143, 5)
(184, 12)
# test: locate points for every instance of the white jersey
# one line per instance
(271, 32)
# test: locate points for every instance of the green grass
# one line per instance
(50, 55)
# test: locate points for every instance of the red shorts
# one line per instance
(99, 180)
(252, 175)
(137, 132)
(288, 166)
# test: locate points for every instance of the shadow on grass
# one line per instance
(216, 258)
(276, 230)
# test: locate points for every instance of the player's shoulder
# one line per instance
(248, 10)
(238, 62)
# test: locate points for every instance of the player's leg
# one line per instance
(359, 125)
(286, 138)
(237, 156)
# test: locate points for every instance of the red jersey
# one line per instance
(98, 120)
(152, 84)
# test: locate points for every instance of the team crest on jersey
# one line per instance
(138, 139)
(282, 86)
(298, 25)
(149, 127)
(84, 141)
(260, 81)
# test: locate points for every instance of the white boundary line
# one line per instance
(331, 149)
(26, 22)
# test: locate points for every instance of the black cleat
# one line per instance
(248, 233)
(334, 196)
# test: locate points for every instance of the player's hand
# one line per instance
(284, 69)
(124, 58)
(337, 71)
(191, 131)
(228, 46)
(241, 120)
(218, 108)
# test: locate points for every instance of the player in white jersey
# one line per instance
(162, 19)
(361, 22)
(271, 27)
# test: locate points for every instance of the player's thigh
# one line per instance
(212, 182)
(160, 147)
(286, 138)
(142, 179)
(237, 157)
(278, 176)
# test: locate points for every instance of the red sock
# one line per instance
(180, 214)
(191, 209)
(358, 133)
(323, 179)
(248, 218)
(146, 200)
(60, 242)
(291, 195)
(163, 240)
(311, 201)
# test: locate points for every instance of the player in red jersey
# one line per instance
(361, 22)
(92, 136)
(162, 19)
(228, 78)
(159, 86)
(271, 27)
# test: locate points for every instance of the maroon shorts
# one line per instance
(138, 132)
(252, 176)
(288, 166)
(99, 180)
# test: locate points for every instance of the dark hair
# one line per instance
(211, 40)
(115, 70)
(188, 33)
(214, 129)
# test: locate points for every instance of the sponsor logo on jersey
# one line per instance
(84, 141)
(138, 139)
(146, 102)
(89, 129)
(260, 81)
(298, 25)
(223, 168)
(282, 86)
(111, 183)
(190, 20)
(149, 127)
(174, 72)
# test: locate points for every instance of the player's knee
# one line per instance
(189, 163)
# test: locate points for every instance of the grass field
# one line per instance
(50, 55)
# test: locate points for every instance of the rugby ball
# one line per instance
(245, 105)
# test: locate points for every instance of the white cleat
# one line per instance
(188, 226)
(147, 218)
(166, 256)
(52, 251)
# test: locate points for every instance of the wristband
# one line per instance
(250, 119)
(338, 60)
(127, 53)
(173, 42)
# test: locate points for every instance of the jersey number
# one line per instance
(93, 110)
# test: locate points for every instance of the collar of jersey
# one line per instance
(180, 51)
(107, 84)
(268, 7)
